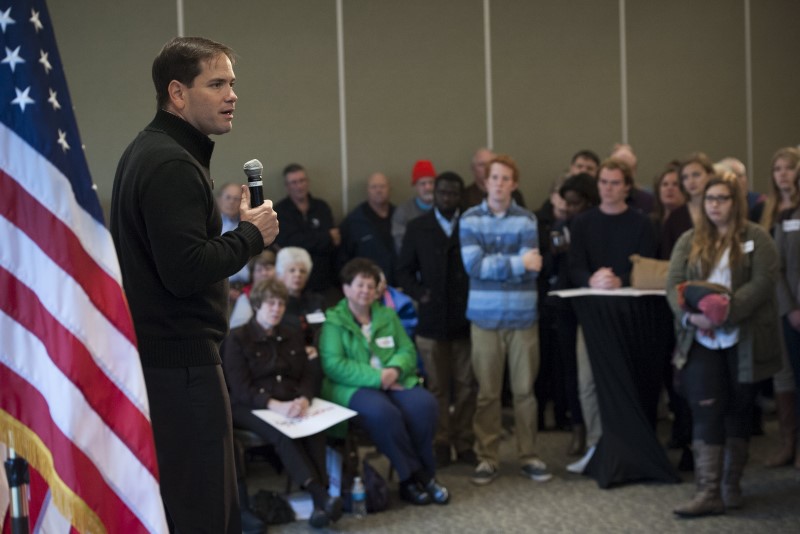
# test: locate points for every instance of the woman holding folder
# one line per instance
(726, 344)
(267, 365)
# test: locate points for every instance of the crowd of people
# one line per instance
(426, 318)
(481, 328)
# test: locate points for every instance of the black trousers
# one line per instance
(721, 406)
(303, 458)
(191, 416)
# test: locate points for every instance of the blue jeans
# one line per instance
(402, 425)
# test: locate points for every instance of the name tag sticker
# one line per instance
(791, 225)
(316, 317)
(385, 342)
(748, 246)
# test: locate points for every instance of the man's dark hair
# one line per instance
(180, 59)
(292, 167)
(449, 176)
(585, 154)
(360, 266)
(584, 185)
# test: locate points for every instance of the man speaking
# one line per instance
(175, 264)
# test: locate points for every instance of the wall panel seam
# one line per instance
(623, 72)
(342, 103)
(487, 51)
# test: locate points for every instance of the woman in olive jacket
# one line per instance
(370, 367)
(267, 365)
(719, 362)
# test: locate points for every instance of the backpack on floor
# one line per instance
(272, 508)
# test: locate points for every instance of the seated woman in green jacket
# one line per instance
(721, 355)
(370, 366)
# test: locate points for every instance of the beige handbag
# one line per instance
(648, 273)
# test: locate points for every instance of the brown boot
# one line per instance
(787, 423)
(733, 467)
(577, 446)
(707, 469)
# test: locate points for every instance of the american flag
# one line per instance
(72, 396)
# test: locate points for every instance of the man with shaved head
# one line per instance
(367, 230)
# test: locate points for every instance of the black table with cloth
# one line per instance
(628, 340)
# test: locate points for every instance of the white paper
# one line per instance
(386, 342)
(320, 416)
(621, 292)
(316, 317)
(791, 225)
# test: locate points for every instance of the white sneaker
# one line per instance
(579, 466)
(536, 469)
(484, 473)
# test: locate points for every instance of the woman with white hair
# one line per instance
(305, 308)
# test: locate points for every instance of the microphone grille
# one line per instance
(253, 168)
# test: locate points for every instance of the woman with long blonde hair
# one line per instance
(786, 230)
(784, 194)
(694, 173)
(722, 355)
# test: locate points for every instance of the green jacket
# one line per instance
(753, 307)
(346, 354)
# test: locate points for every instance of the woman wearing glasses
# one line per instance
(721, 355)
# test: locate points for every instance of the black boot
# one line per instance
(327, 509)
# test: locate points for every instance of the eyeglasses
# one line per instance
(717, 199)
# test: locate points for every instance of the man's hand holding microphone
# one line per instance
(258, 212)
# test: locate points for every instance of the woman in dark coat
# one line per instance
(267, 366)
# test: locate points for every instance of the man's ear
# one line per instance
(176, 91)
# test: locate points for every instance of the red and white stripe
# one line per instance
(69, 367)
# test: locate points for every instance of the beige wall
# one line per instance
(415, 83)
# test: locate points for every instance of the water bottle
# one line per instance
(359, 498)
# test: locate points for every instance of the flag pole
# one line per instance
(18, 480)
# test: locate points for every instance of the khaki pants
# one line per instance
(449, 371)
(489, 349)
(588, 393)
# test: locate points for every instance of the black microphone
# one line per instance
(253, 170)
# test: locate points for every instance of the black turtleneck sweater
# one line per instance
(166, 229)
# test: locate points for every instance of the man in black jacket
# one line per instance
(307, 222)
(367, 230)
(431, 271)
(166, 228)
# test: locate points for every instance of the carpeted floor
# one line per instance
(571, 503)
